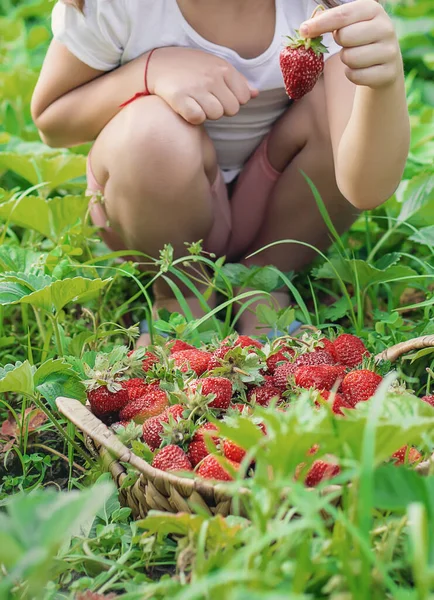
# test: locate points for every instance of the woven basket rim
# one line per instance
(80, 415)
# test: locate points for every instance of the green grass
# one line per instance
(63, 294)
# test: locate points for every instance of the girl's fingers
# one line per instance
(211, 105)
(358, 34)
(367, 56)
(239, 86)
(230, 103)
(341, 16)
(374, 77)
(190, 110)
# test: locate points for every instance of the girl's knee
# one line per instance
(158, 141)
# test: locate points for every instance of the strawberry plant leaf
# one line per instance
(19, 259)
(53, 169)
(17, 378)
(424, 236)
(54, 296)
(395, 488)
(219, 530)
(415, 197)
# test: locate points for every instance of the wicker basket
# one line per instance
(158, 490)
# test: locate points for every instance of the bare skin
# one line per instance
(340, 134)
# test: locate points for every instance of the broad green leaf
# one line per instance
(17, 83)
(424, 236)
(416, 196)
(17, 378)
(42, 521)
(337, 310)
(266, 315)
(395, 488)
(66, 211)
(366, 273)
(54, 296)
(219, 530)
(19, 259)
(50, 217)
(55, 170)
(30, 212)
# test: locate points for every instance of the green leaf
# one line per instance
(49, 217)
(57, 378)
(424, 236)
(18, 259)
(416, 196)
(337, 310)
(395, 488)
(53, 296)
(366, 274)
(220, 531)
(54, 170)
(17, 378)
(266, 315)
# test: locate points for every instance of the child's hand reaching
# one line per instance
(197, 85)
(365, 32)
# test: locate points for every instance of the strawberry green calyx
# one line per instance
(105, 373)
(314, 44)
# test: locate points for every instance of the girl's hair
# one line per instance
(329, 3)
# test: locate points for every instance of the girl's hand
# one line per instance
(370, 48)
(197, 85)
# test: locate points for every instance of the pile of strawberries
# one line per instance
(172, 392)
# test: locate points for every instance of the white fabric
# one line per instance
(114, 32)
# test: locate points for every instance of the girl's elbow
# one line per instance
(366, 199)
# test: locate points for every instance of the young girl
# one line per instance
(214, 148)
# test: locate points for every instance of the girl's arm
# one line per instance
(366, 101)
(72, 102)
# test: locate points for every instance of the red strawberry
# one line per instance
(318, 357)
(279, 356)
(319, 471)
(359, 386)
(217, 358)
(246, 342)
(210, 468)
(429, 400)
(171, 458)
(149, 361)
(153, 427)
(338, 401)
(220, 386)
(233, 451)
(263, 394)
(329, 346)
(349, 350)
(283, 374)
(178, 345)
(197, 449)
(103, 401)
(152, 403)
(176, 410)
(301, 62)
(406, 455)
(320, 377)
(136, 388)
(196, 360)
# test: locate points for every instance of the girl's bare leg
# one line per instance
(156, 170)
(300, 141)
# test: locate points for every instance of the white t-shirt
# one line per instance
(114, 32)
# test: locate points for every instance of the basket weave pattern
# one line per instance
(159, 490)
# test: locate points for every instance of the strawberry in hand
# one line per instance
(302, 63)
